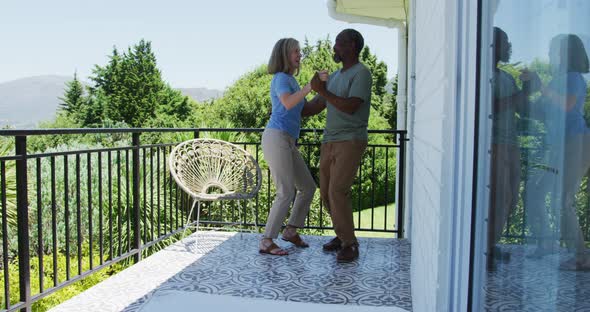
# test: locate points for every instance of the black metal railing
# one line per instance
(78, 210)
(533, 164)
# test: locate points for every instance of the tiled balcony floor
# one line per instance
(525, 284)
(226, 267)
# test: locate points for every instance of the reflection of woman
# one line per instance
(565, 96)
(288, 169)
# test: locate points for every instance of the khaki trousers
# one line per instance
(292, 180)
(504, 187)
(339, 163)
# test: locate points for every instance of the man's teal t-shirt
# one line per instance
(354, 82)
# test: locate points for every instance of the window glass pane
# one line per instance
(536, 223)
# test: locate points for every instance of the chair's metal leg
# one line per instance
(254, 214)
(198, 217)
(243, 221)
(188, 220)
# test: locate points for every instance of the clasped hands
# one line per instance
(530, 81)
(318, 82)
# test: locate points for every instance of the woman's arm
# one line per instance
(568, 100)
(291, 100)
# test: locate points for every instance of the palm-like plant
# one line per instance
(6, 147)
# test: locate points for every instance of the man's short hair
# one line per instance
(357, 38)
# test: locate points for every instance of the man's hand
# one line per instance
(317, 84)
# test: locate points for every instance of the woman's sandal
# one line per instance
(272, 249)
(296, 240)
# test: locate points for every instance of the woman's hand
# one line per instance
(324, 75)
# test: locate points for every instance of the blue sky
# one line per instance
(530, 24)
(197, 43)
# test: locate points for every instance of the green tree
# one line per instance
(388, 104)
(246, 103)
(73, 98)
(130, 89)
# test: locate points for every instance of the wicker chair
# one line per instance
(210, 170)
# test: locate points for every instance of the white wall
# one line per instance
(441, 123)
(427, 118)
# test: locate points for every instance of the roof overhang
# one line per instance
(390, 13)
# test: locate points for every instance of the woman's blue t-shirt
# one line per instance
(281, 118)
(572, 84)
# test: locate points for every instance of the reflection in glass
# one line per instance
(537, 220)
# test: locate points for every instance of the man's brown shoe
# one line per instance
(348, 253)
(333, 245)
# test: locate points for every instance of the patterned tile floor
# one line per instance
(525, 284)
(229, 264)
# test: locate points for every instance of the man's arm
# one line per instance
(345, 105)
(314, 107)
(518, 101)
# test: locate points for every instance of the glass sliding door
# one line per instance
(533, 210)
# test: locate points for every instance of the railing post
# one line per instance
(136, 198)
(22, 205)
(196, 134)
(400, 184)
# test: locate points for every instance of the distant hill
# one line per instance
(201, 94)
(25, 102)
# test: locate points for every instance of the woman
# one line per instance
(289, 172)
(569, 138)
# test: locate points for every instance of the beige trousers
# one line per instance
(292, 180)
(572, 164)
(339, 162)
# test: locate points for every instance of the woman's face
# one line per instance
(295, 59)
(553, 54)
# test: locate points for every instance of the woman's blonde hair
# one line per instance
(279, 59)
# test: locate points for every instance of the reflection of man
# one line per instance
(507, 99)
(347, 97)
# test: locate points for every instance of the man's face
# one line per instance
(502, 48)
(343, 47)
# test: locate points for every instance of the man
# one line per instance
(347, 97)
(507, 100)
(505, 152)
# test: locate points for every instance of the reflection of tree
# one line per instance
(531, 135)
